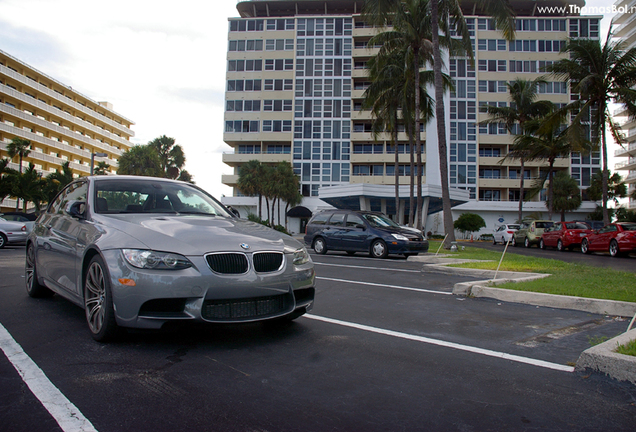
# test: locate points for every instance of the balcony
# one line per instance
(629, 150)
(238, 159)
(626, 165)
(229, 179)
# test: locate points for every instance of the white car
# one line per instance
(503, 234)
(12, 232)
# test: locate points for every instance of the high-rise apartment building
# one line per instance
(625, 31)
(296, 77)
(62, 124)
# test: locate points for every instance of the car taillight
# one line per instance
(23, 228)
(510, 232)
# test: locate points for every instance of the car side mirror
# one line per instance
(76, 209)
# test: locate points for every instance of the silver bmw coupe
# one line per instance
(141, 251)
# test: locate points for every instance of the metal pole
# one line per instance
(92, 161)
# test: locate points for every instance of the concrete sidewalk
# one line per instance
(600, 358)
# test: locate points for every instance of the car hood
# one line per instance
(196, 235)
(405, 231)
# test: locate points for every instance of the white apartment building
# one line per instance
(625, 30)
(62, 124)
(296, 76)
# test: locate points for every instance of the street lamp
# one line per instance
(98, 154)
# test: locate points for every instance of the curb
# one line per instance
(602, 358)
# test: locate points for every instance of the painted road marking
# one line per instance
(369, 268)
(385, 286)
(482, 351)
(63, 411)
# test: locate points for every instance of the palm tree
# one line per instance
(600, 74)
(101, 168)
(56, 181)
(250, 181)
(615, 188)
(171, 156)
(546, 139)
(567, 195)
(523, 107)
(7, 175)
(140, 160)
(444, 15)
(19, 147)
(30, 186)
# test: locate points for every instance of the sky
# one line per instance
(160, 63)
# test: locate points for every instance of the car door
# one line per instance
(333, 231)
(499, 234)
(355, 234)
(58, 246)
(551, 235)
(601, 241)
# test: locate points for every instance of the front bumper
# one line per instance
(407, 247)
(198, 294)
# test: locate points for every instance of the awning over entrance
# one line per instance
(299, 212)
(364, 196)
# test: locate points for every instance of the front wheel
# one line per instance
(379, 249)
(3, 240)
(494, 241)
(526, 242)
(514, 241)
(613, 249)
(33, 287)
(98, 301)
(585, 246)
(560, 247)
(319, 246)
(541, 244)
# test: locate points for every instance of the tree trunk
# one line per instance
(550, 189)
(441, 126)
(418, 139)
(412, 177)
(606, 219)
(521, 191)
(397, 173)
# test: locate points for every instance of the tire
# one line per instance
(379, 249)
(33, 287)
(560, 247)
(319, 246)
(613, 249)
(514, 241)
(494, 241)
(541, 244)
(585, 246)
(526, 243)
(3, 240)
(98, 301)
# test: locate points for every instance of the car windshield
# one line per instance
(577, 225)
(629, 227)
(154, 196)
(379, 221)
(513, 226)
(544, 224)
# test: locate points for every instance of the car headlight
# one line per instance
(149, 259)
(400, 237)
(300, 255)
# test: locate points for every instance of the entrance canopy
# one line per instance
(364, 196)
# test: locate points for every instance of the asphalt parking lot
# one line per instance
(386, 348)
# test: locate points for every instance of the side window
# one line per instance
(320, 219)
(354, 220)
(337, 219)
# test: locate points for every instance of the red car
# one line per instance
(564, 235)
(617, 238)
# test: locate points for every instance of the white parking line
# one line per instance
(63, 411)
(486, 352)
(385, 286)
(369, 268)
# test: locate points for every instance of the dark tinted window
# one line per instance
(629, 227)
(577, 225)
(354, 220)
(337, 219)
(543, 224)
(320, 219)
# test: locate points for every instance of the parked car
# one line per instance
(616, 238)
(12, 232)
(362, 231)
(564, 235)
(504, 233)
(27, 218)
(594, 225)
(530, 232)
(141, 252)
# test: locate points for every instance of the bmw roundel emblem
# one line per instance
(245, 246)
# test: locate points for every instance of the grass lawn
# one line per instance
(627, 349)
(567, 278)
